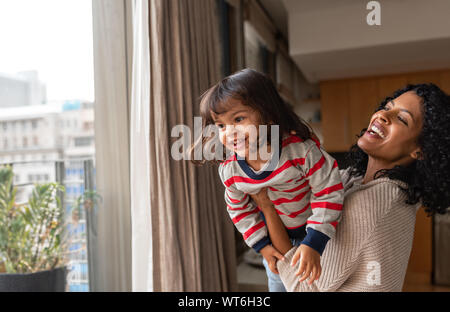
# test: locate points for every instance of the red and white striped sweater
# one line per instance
(305, 188)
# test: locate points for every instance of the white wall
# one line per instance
(331, 39)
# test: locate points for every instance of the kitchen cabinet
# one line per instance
(441, 249)
(445, 81)
(335, 115)
(363, 100)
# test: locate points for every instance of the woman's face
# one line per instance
(393, 131)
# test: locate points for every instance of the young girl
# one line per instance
(302, 180)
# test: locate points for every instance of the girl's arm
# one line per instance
(244, 214)
(327, 197)
(277, 232)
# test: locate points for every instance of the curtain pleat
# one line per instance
(192, 236)
(112, 268)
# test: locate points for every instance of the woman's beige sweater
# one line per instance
(372, 245)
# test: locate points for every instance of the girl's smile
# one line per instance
(237, 145)
(238, 128)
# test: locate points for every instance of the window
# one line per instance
(88, 125)
(84, 141)
(257, 55)
(46, 61)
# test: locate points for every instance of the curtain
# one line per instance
(191, 246)
(113, 266)
(139, 152)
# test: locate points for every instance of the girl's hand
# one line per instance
(309, 263)
(262, 200)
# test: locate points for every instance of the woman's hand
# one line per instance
(262, 200)
(277, 231)
(272, 256)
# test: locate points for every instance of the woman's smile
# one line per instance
(376, 131)
(393, 130)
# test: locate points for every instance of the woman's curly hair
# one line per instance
(428, 178)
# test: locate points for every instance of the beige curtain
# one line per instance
(192, 236)
(142, 247)
(112, 267)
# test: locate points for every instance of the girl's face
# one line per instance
(393, 131)
(238, 127)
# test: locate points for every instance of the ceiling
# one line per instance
(331, 39)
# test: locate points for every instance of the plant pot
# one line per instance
(43, 281)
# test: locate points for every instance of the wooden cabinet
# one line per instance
(426, 77)
(445, 81)
(388, 85)
(420, 265)
(335, 115)
(363, 100)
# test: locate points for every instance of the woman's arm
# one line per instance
(244, 214)
(277, 232)
(375, 225)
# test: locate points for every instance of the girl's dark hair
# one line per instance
(428, 178)
(257, 91)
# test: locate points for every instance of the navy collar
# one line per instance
(252, 174)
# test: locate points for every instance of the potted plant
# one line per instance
(87, 203)
(33, 240)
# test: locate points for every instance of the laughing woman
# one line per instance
(401, 162)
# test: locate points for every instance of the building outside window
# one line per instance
(46, 91)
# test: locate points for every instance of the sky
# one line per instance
(53, 37)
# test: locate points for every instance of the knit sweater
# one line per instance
(304, 185)
(372, 245)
